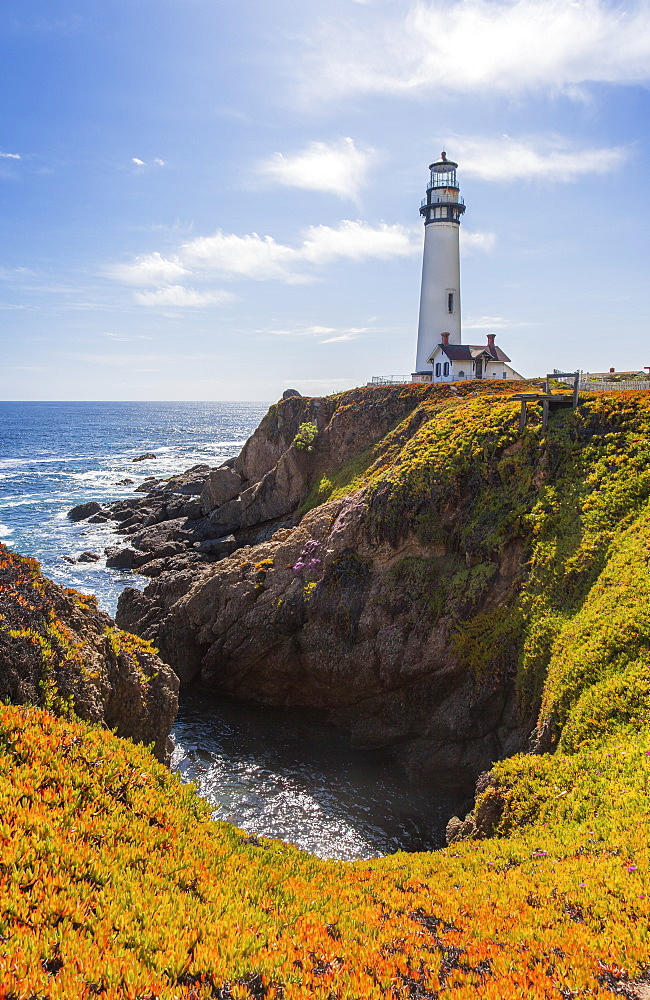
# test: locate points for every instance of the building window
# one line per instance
(461, 374)
(505, 374)
(437, 369)
(445, 368)
(450, 302)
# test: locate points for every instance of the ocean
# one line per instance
(290, 775)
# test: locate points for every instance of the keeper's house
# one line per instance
(455, 362)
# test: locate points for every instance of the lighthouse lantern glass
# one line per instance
(443, 178)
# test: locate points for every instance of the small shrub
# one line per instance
(307, 434)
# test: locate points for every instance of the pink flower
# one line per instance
(631, 868)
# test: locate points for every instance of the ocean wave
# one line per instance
(4, 531)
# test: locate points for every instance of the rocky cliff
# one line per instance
(407, 559)
(345, 589)
(58, 651)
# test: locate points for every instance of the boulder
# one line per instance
(144, 458)
(100, 518)
(229, 516)
(218, 546)
(149, 484)
(128, 558)
(88, 557)
(189, 483)
(288, 393)
(222, 485)
(84, 510)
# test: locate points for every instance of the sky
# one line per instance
(218, 199)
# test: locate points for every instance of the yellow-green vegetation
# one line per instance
(34, 637)
(305, 436)
(536, 549)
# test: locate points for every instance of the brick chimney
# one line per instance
(490, 338)
(612, 370)
(445, 339)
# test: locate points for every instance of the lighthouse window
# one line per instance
(445, 368)
(450, 302)
(438, 369)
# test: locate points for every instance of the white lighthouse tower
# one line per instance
(440, 295)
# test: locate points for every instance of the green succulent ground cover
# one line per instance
(114, 882)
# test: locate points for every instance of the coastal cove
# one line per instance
(269, 771)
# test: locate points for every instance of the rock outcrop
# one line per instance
(351, 605)
(57, 650)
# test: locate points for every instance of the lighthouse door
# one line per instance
(478, 368)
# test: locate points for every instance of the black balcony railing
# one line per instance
(442, 199)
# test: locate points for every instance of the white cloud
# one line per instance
(507, 46)
(471, 242)
(10, 156)
(262, 258)
(325, 334)
(180, 297)
(143, 163)
(551, 158)
(357, 241)
(150, 269)
(259, 258)
(250, 256)
(338, 168)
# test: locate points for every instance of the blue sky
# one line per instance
(217, 199)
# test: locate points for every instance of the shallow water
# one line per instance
(285, 774)
(293, 775)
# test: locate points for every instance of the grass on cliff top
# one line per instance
(115, 883)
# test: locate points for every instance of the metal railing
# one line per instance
(597, 385)
(443, 199)
(390, 379)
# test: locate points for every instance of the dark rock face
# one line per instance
(59, 651)
(144, 458)
(84, 510)
(481, 822)
(317, 617)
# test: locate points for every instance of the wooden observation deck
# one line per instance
(550, 401)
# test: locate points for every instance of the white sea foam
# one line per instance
(4, 531)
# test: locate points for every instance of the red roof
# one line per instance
(468, 352)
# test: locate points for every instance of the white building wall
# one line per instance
(491, 369)
(440, 277)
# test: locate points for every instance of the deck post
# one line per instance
(544, 415)
(522, 417)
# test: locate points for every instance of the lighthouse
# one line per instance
(440, 294)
